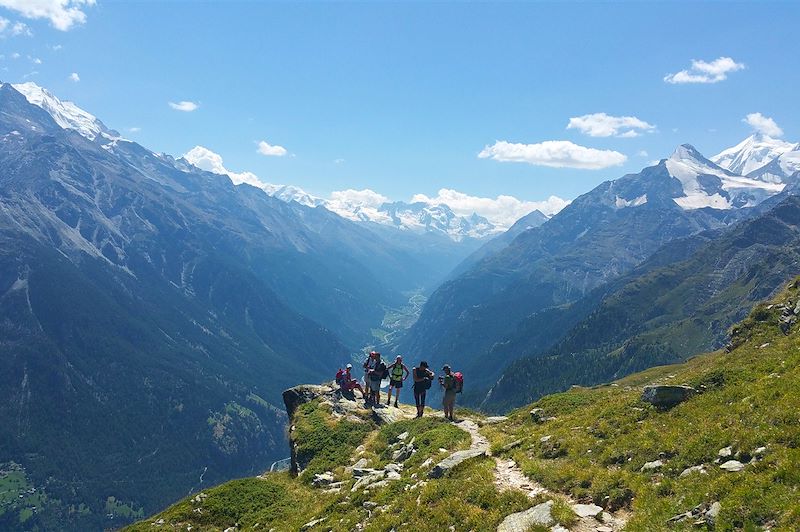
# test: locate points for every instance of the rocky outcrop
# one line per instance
(539, 515)
(294, 397)
(445, 466)
(666, 396)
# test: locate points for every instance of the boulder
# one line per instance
(537, 414)
(294, 397)
(493, 420)
(322, 479)
(666, 396)
(539, 515)
(726, 452)
(445, 466)
(586, 510)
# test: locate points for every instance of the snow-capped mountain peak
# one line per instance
(65, 113)
(706, 184)
(752, 153)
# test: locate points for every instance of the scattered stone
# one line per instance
(369, 505)
(536, 415)
(726, 452)
(713, 513)
(761, 451)
(322, 479)
(403, 453)
(604, 529)
(558, 528)
(446, 465)
(310, 524)
(507, 447)
(732, 466)
(232, 529)
(393, 467)
(427, 463)
(652, 466)
(586, 510)
(361, 464)
(493, 420)
(545, 439)
(701, 469)
(442, 450)
(666, 396)
(159, 522)
(541, 515)
(364, 471)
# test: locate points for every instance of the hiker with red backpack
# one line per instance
(346, 381)
(451, 383)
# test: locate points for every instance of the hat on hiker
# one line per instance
(349, 366)
(446, 367)
(399, 357)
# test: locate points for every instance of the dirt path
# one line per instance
(591, 518)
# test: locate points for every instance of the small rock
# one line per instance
(713, 513)
(427, 463)
(310, 524)
(402, 436)
(322, 479)
(536, 415)
(652, 466)
(446, 465)
(558, 528)
(544, 439)
(361, 464)
(586, 510)
(159, 522)
(541, 515)
(393, 475)
(726, 452)
(761, 450)
(364, 471)
(732, 466)
(393, 467)
(694, 469)
(493, 420)
(604, 529)
(369, 505)
(507, 447)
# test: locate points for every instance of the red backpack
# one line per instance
(340, 376)
(459, 381)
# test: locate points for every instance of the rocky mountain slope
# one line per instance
(598, 237)
(679, 302)
(710, 444)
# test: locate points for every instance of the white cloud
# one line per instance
(642, 153)
(338, 161)
(62, 14)
(15, 29)
(36, 61)
(265, 148)
(74, 77)
(502, 211)
(56, 47)
(603, 125)
(553, 153)
(207, 160)
(134, 129)
(763, 124)
(15, 55)
(185, 106)
(705, 72)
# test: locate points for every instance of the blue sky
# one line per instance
(401, 98)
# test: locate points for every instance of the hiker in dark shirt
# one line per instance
(422, 382)
(375, 375)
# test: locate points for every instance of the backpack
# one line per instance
(340, 376)
(459, 381)
(383, 370)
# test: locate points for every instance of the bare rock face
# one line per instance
(294, 397)
(539, 515)
(667, 396)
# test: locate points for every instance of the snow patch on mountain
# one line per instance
(65, 113)
(752, 153)
(706, 184)
(622, 203)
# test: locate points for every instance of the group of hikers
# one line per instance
(376, 370)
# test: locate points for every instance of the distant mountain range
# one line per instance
(518, 299)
